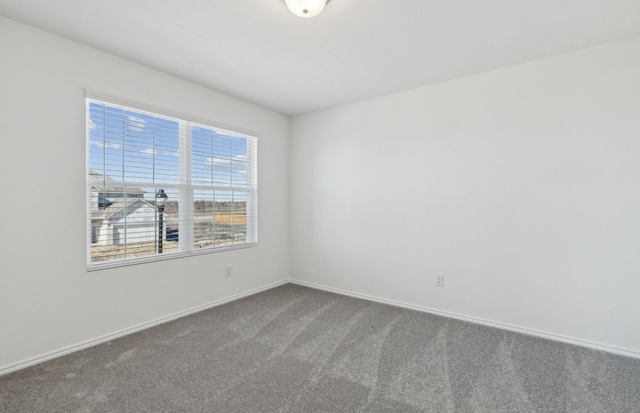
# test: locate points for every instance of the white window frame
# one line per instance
(185, 187)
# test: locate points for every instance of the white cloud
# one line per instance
(150, 152)
(240, 161)
(218, 163)
(227, 170)
(100, 144)
(136, 123)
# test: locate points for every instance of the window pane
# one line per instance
(218, 158)
(126, 222)
(231, 218)
(204, 231)
(126, 145)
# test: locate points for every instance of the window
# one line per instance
(162, 186)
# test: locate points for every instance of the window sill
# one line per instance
(164, 257)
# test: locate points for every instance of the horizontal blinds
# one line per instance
(128, 145)
(206, 175)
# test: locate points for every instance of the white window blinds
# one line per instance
(160, 186)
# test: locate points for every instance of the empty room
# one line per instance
(320, 206)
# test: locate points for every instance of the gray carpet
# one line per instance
(295, 349)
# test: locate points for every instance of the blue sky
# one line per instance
(127, 145)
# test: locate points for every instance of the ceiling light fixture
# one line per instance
(306, 8)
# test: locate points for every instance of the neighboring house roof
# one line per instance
(117, 205)
(93, 175)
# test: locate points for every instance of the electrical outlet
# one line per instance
(439, 280)
(227, 271)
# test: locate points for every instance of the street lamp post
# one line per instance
(161, 200)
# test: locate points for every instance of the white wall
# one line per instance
(48, 301)
(521, 185)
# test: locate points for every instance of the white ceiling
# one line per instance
(356, 49)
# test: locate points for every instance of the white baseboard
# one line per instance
(476, 320)
(112, 336)
(504, 326)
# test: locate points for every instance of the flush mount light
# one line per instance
(306, 8)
